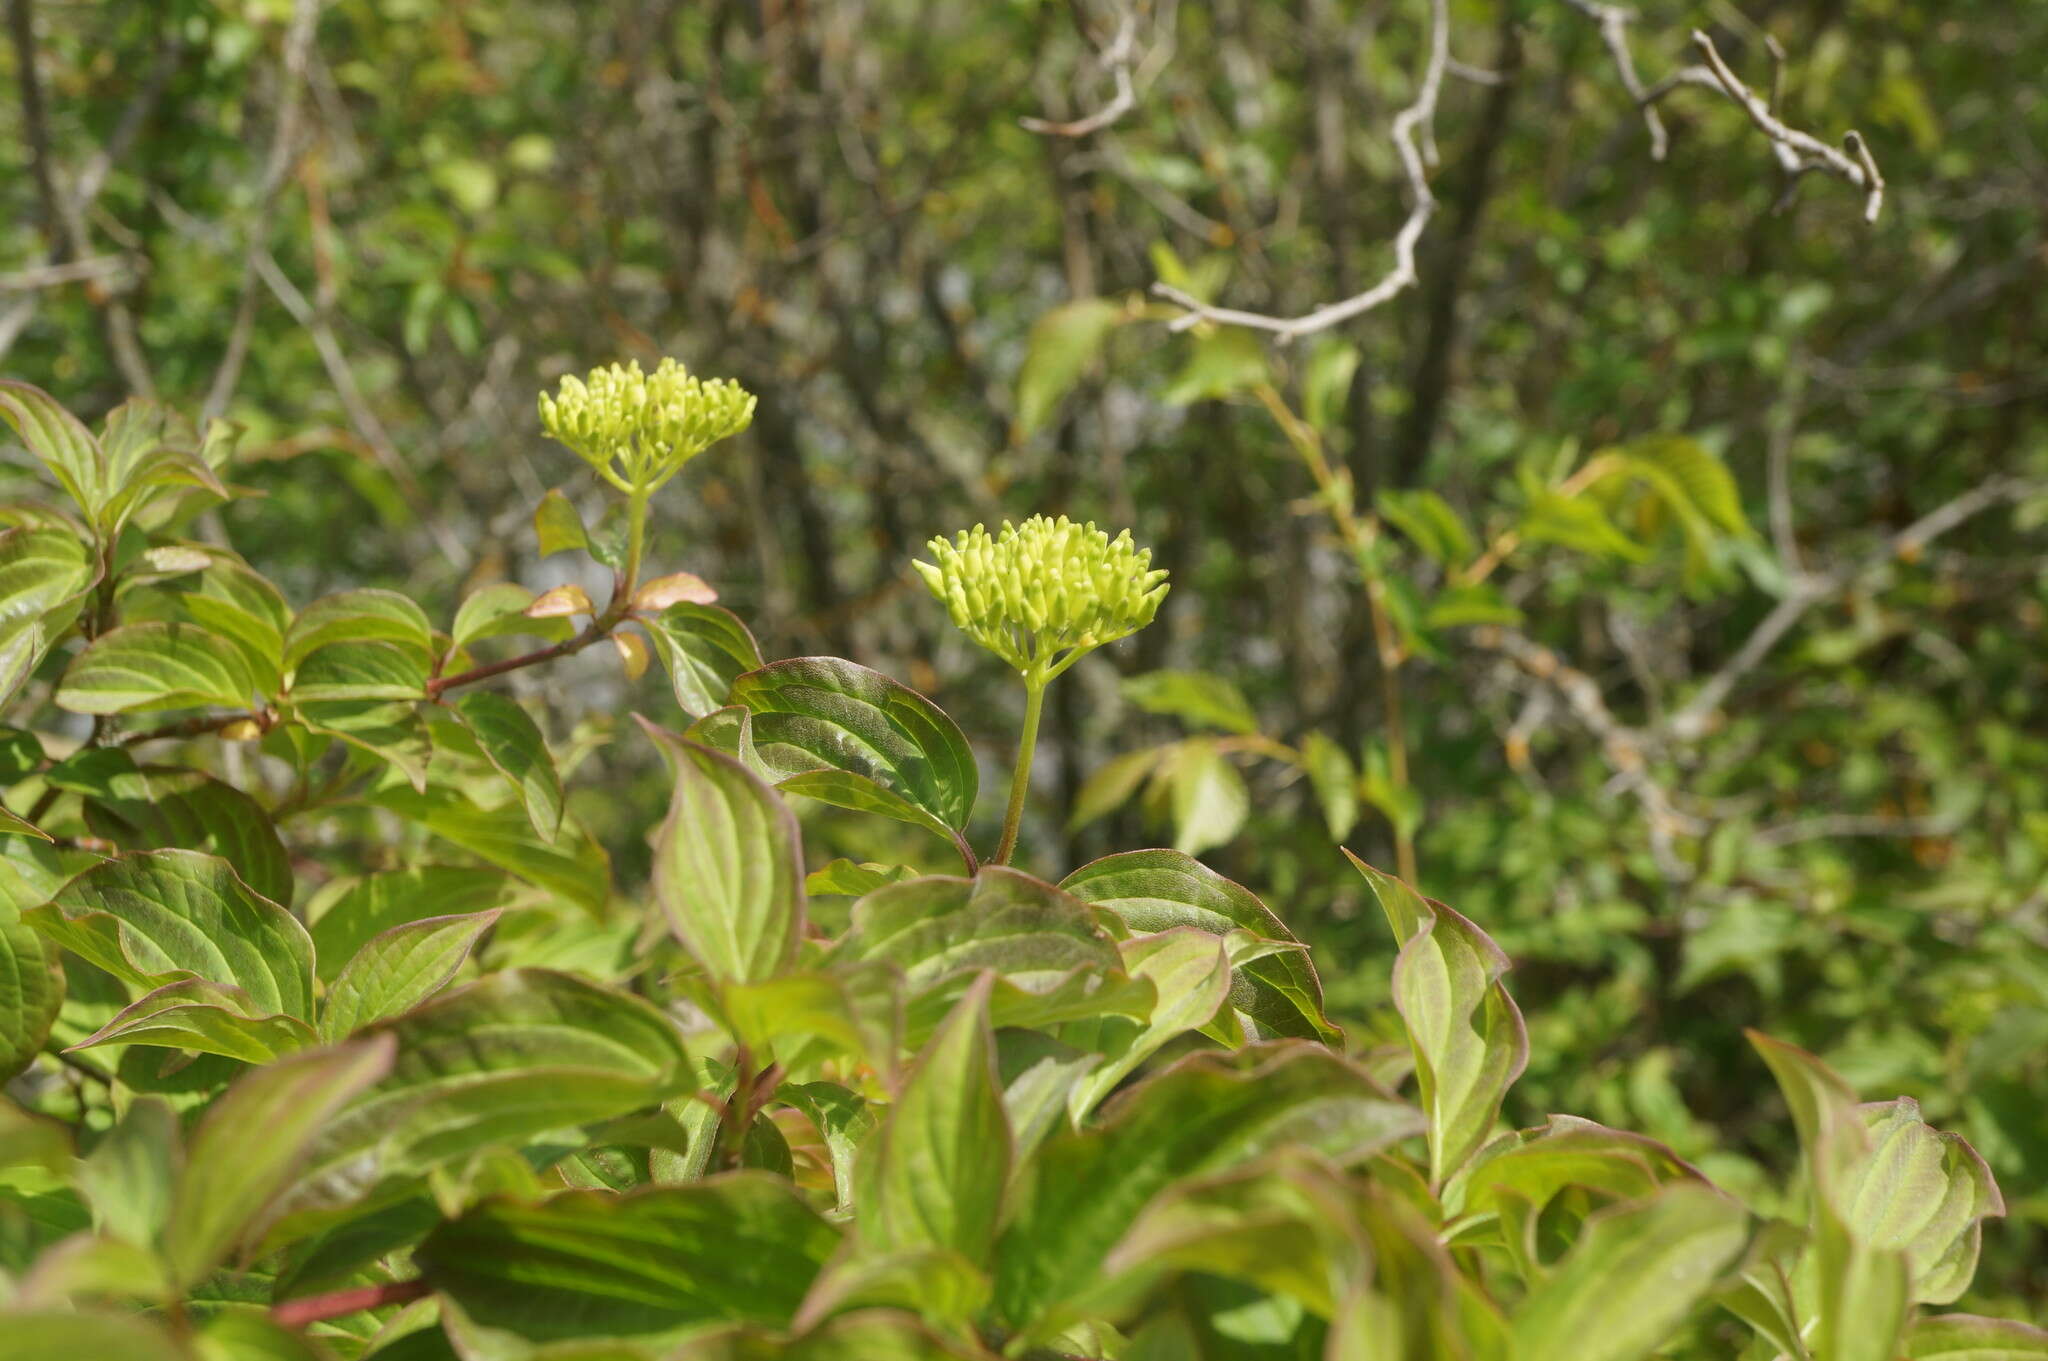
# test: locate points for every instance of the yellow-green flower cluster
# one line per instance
(1034, 591)
(648, 424)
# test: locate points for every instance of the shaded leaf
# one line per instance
(512, 743)
(399, 969)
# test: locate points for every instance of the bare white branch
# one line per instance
(1614, 21)
(1118, 59)
(1800, 152)
(1417, 117)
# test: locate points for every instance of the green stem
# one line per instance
(636, 539)
(1020, 781)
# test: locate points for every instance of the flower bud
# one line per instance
(1041, 594)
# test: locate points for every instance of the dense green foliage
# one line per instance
(942, 1120)
(1660, 580)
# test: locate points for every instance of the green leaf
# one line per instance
(827, 713)
(503, 1061)
(1326, 381)
(1632, 1277)
(705, 649)
(1575, 522)
(513, 744)
(1210, 801)
(1335, 780)
(167, 808)
(360, 616)
(1428, 519)
(557, 525)
(498, 609)
(1860, 1290)
(348, 912)
(1154, 891)
(1204, 1115)
(1535, 1165)
(31, 992)
(1690, 470)
(1222, 363)
(207, 1018)
(397, 970)
(59, 439)
(1922, 1192)
(933, 1175)
(392, 730)
(1195, 697)
(231, 600)
(359, 671)
(573, 865)
(728, 865)
(844, 878)
(651, 1264)
(132, 1172)
(41, 569)
(1465, 1030)
(1042, 942)
(67, 1335)
(252, 1144)
(1967, 1337)
(1063, 342)
(1113, 784)
(1458, 606)
(140, 667)
(152, 917)
(1190, 970)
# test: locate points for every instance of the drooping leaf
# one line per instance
(1428, 519)
(846, 879)
(933, 1175)
(502, 1061)
(584, 1265)
(1632, 1277)
(831, 714)
(1210, 800)
(399, 969)
(1064, 341)
(1190, 971)
(1463, 1027)
(348, 912)
(1335, 780)
(728, 866)
(1203, 1115)
(140, 667)
(132, 1172)
(513, 744)
(557, 525)
(1195, 697)
(1221, 364)
(392, 730)
(705, 648)
(1153, 891)
(252, 1144)
(206, 1018)
(151, 917)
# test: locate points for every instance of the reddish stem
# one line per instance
(314, 1308)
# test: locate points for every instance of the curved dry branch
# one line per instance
(1118, 58)
(1417, 117)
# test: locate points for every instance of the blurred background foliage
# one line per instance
(1741, 740)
